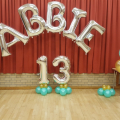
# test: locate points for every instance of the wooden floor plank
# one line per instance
(82, 104)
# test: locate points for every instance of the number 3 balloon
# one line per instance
(65, 69)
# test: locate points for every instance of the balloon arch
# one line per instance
(70, 33)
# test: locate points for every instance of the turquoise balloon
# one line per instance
(68, 90)
(100, 91)
(107, 93)
(57, 90)
(38, 90)
(44, 91)
(112, 92)
(49, 89)
(63, 91)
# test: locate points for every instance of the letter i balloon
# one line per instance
(43, 89)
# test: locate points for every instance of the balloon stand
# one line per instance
(43, 89)
(106, 91)
(63, 90)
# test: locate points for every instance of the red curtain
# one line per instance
(104, 49)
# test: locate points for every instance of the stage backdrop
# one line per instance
(104, 49)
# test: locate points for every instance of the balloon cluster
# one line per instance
(43, 81)
(47, 25)
(43, 89)
(106, 91)
(63, 89)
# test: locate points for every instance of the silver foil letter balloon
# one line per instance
(86, 34)
(17, 37)
(35, 18)
(78, 13)
(65, 70)
(42, 61)
(59, 17)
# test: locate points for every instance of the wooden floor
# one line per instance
(82, 104)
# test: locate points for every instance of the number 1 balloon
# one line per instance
(35, 18)
(42, 61)
(17, 37)
(59, 17)
(65, 69)
(86, 34)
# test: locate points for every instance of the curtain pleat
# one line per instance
(103, 39)
(104, 48)
(109, 37)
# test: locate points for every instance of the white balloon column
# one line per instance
(63, 89)
(43, 88)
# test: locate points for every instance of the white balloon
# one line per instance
(78, 13)
(42, 61)
(35, 18)
(59, 17)
(17, 37)
(86, 34)
(65, 69)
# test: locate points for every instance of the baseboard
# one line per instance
(33, 87)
